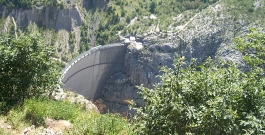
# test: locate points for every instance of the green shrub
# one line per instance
(27, 68)
(214, 98)
(128, 19)
(252, 48)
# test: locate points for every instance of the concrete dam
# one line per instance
(87, 73)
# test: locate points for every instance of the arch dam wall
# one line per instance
(87, 73)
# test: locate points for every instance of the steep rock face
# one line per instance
(48, 17)
(140, 68)
(58, 25)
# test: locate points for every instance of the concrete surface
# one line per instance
(87, 73)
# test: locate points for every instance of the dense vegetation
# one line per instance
(28, 75)
(27, 4)
(27, 68)
(213, 98)
(119, 13)
(35, 110)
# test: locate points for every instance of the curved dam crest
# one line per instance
(88, 72)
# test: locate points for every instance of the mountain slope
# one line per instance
(199, 29)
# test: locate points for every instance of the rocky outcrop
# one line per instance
(48, 17)
(74, 98)
(57, 125)
(140, 67)
(58, 25)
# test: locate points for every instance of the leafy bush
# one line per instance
(252, 47)
(27, 68)
(214, 98)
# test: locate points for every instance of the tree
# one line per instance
(122, 12)
(27, 68)
(152, 7)
(213, 98)
(128, 19)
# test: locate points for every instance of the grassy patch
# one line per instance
(3, 132)
(102, 124)
(39, 109)
(34, 111)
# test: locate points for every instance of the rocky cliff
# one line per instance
(55, 24)
(60, 26)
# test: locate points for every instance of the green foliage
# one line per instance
(16, 117)
(119, 11)
(39, 109)
(72, 41)
(152, 7)
(84, 42)
(214, 98)
(253, 47)
(36, 110)
(122, 12)
(27, 4)
(27, 68)
(108, 33)
(3, 132)
(109, 27)
(245, 10)
(102, 124)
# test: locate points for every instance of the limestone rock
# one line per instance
(74, 98)
(57, 125)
